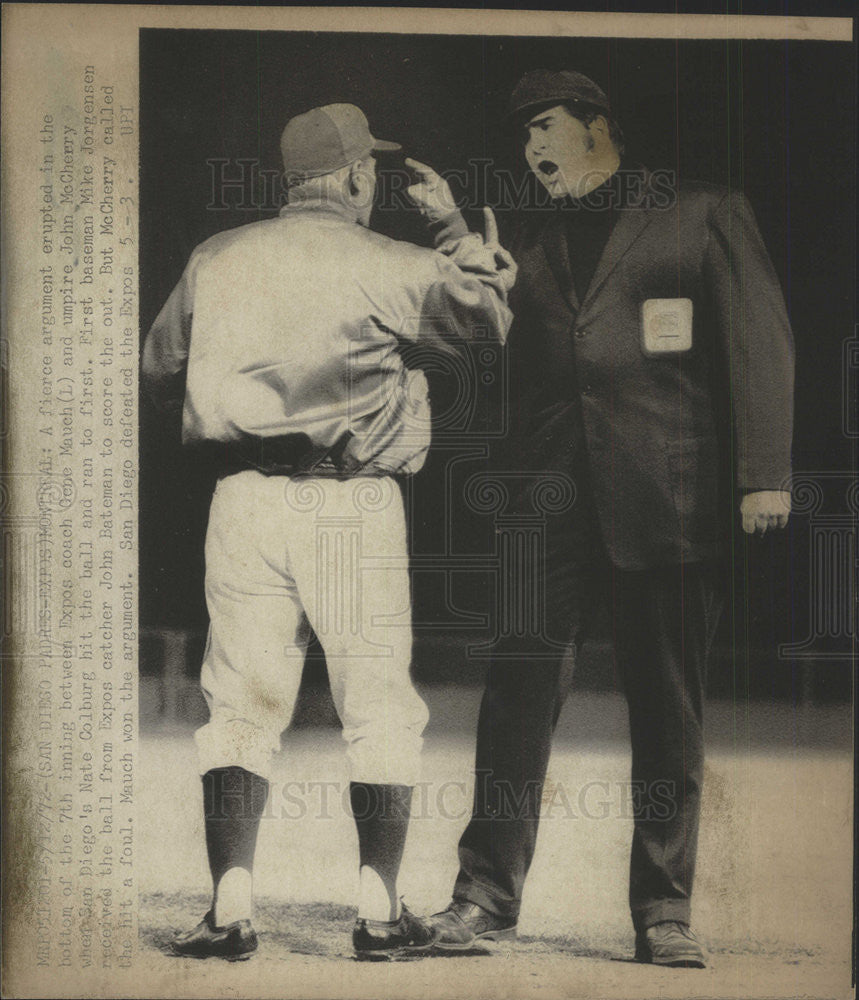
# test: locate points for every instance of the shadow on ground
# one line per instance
(319, 929)
(323, 930)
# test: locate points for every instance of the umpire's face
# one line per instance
(560, 150)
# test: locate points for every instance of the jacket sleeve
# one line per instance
(755, 336)
(165, 352)
(460, 294)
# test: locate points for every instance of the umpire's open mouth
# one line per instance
(547, 167)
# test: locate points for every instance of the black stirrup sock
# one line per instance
(233, 803)
(382, 817)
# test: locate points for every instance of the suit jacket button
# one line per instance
(579, 334)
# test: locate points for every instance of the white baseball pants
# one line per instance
(284, 552)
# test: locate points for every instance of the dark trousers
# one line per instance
(663, 621)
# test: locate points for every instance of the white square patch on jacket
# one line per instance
(666, 326)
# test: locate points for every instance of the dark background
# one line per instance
(773, 118)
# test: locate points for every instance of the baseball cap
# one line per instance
(325, 139)
(541, 86)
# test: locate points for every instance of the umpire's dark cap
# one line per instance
(545, 86)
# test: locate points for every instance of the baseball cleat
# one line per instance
(463, 924)
(235, 942)
(670, 943)
(386, 940)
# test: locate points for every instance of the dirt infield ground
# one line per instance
(773, 892)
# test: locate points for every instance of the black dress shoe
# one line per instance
(384, 940)
(463, 924)
(670, 943)
(235, 942)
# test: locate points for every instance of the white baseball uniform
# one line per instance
(281, 341)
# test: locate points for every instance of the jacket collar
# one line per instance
(633, 218)
(326, 206)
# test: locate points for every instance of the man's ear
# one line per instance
(358, 171)
(599, 124)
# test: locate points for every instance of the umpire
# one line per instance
(281, 345)
(653, 366)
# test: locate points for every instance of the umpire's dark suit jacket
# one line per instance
(659, 430)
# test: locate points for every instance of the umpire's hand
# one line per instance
(764, 511)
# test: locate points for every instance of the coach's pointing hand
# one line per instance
(505, 264)
(430, 193)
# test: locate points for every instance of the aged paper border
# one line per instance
(45, 50)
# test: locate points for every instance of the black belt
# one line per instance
(284, 455)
